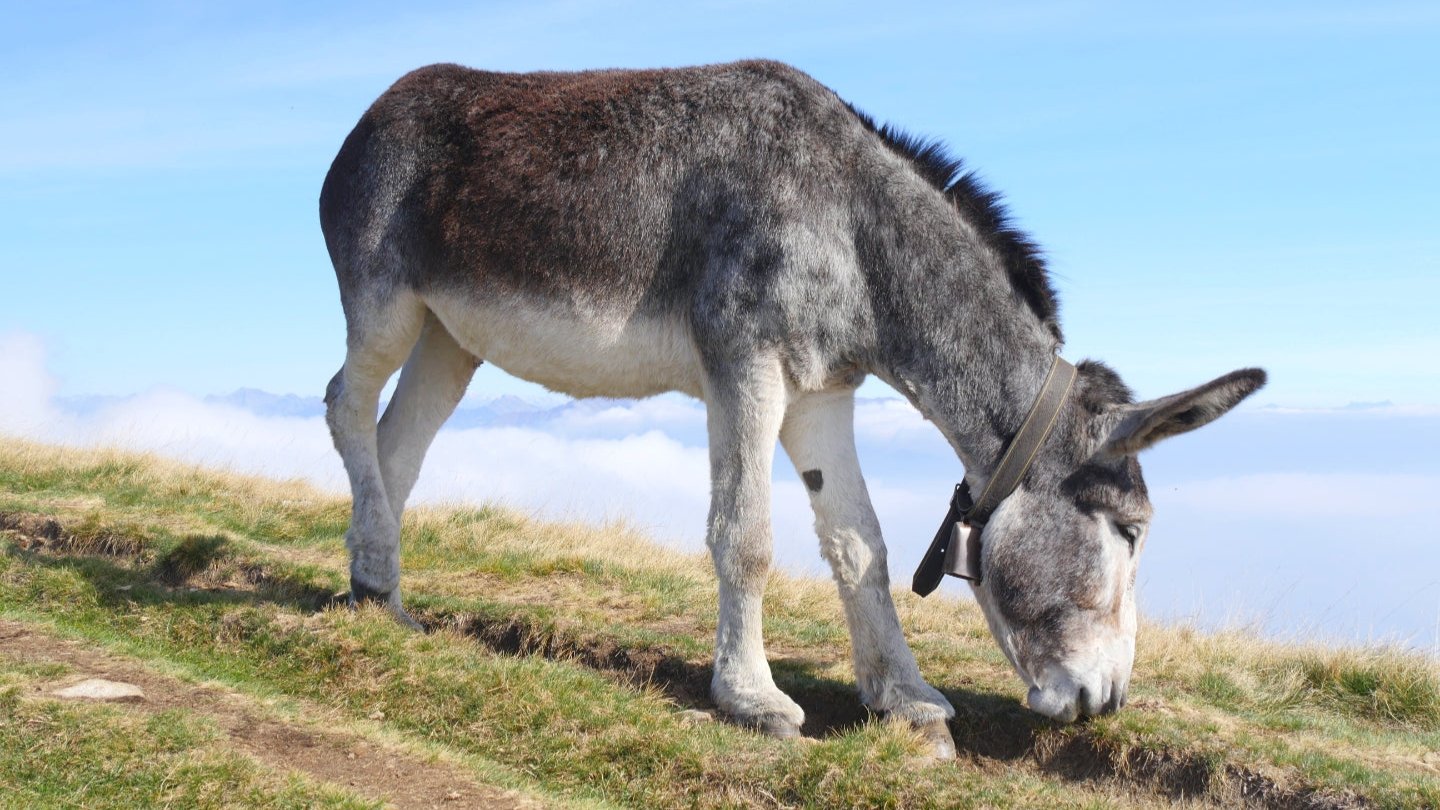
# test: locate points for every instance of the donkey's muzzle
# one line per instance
(1067, 700)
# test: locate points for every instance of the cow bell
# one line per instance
(962, 554)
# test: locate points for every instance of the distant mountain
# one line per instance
(511, 405)
(503, 411)
(264, 403)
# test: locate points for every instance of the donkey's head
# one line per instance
(1059, 555)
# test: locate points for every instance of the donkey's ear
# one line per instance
(1139, 426)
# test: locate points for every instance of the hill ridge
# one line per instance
(257, 564)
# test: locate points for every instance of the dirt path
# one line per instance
(368, 767)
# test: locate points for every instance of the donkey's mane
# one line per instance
(1099, 387)
(984, 209)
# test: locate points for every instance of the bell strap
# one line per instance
(1014, 463)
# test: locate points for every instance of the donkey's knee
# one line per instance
(743, 558)
(333, 388)
(345, 415)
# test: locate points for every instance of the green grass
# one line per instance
(567, 653)
(65, 755)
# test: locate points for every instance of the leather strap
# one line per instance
(1027, 442)
(1014, 463)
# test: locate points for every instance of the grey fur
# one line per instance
(764, 246)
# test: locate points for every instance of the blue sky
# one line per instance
(1216, 185)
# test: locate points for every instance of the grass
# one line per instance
(562, 658)
(65, 755)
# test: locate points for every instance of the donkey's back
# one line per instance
(573, 228)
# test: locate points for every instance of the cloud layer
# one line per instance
(1303, 523)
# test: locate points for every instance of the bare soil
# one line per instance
(365, 766)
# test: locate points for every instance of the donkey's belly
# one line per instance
(575, 353)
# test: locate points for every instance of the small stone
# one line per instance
(101, 689)
(377, 715)
(695, 717)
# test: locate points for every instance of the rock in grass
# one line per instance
(695, 717)
(101, 689)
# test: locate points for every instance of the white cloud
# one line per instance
(672, 414)
(595, 464)
(648, 478)
(892, 420)
(168, 422)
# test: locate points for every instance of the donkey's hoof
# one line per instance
(771, 724)
(768, 711)
(935, 734)
(360, 594)
(778, 726)
(782, 724)
(406, 620)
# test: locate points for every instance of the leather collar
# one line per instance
(956, 547)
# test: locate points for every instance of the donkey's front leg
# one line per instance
(744, 410)
(819, 436)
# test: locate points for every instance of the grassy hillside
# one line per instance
(568, 664)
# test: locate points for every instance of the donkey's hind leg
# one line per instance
(379, 340)
(744, 406)
(431, 384)
(818, 434)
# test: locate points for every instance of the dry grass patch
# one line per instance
(237, 566)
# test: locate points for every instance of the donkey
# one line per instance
(739, 233)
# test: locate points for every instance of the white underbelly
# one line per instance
(574, 353)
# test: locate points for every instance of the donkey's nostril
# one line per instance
(1092, 701)
(1055, 704)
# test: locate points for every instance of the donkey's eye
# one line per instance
(1131, 533)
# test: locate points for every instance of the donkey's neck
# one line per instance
(962, 345)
